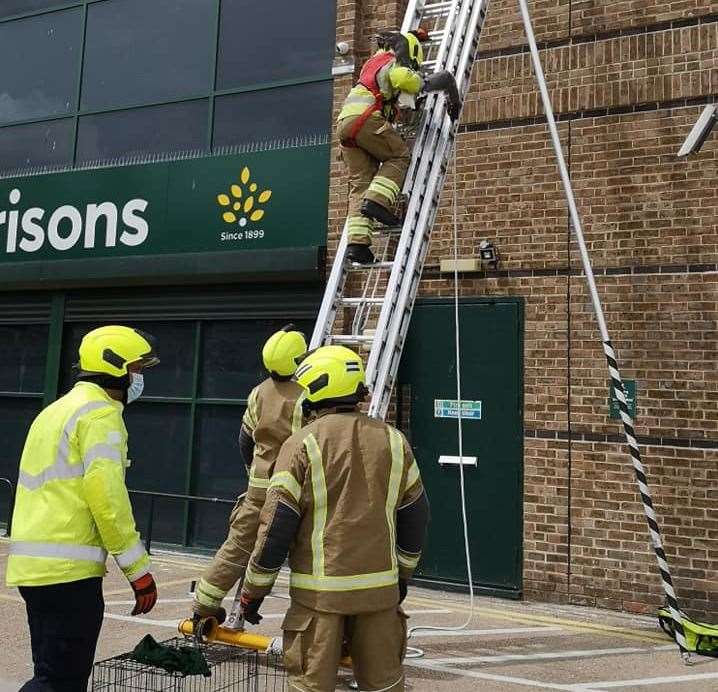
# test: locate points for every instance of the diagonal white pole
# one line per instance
(616, 381)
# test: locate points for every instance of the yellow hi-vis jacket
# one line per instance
(72, 506)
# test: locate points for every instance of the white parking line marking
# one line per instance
(143, 621)
(478, 633)
(639, 682)
(550, 655)
(536, 684)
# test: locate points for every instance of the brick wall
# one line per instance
(628, 79)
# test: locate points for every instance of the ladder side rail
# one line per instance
(332, 292)
(393, 341)
(338, 274)
(427, 157)
(413, 14)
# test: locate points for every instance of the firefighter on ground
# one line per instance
(347, 504)
(376, 156)
(274, 412)
(72, 509)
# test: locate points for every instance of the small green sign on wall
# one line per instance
(629, 387)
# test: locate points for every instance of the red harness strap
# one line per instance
(368, 79)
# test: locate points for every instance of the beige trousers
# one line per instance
(313, 644)
(377, 167)
(230, 562)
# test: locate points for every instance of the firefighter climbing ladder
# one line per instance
(454, 36)
(454, 43)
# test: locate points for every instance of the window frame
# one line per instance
(211, 94)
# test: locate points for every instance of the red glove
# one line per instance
(145, 594)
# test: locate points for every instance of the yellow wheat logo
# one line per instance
(242, 206)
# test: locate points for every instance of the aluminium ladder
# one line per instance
(454, 29)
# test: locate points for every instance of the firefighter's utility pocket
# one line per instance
(295, 624)
(701, 637)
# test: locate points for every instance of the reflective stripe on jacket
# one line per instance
(391, 80)
(72, 506)
(274, 412)
(338, 487)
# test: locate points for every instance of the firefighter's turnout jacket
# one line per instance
(347, 503)
(274, 412)
(72, 506)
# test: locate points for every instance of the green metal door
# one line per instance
(492, 373)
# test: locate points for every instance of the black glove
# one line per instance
(453, 109)
(250, 609)
(444, 81)
(403, 588)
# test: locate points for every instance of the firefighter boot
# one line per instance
(376, 211)
(361, 254)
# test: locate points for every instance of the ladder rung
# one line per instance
(435, 9)
(388, 230)
(361, 301)
(376, 265)
(351, 339)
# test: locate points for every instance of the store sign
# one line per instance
(270, 199)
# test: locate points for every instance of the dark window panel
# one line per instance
(16, 416)
(158, 446)
(218, 471)
(36, 144)
(141, 52)
(44, 53)
(9, 8)
(150, 130)
(257, 116)
(231, 358)
(23, 352)
(274, 40)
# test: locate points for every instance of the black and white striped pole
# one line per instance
(616, 381)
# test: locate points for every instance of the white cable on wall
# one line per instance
(413, 652)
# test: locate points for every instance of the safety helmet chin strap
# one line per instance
(280, 378)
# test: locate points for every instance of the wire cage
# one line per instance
(233, 670)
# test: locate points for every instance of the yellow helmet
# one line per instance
(416, 51)
(110, 350)
(332, 374)
(284, 351)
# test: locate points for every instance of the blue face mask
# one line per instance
(137, 385)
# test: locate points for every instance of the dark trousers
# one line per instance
(65, 622)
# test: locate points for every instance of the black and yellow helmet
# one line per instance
(112, 349)
(332, 375)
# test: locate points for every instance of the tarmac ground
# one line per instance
(508, 646)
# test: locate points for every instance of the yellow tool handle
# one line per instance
(213, 632)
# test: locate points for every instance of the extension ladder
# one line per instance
(454, 29)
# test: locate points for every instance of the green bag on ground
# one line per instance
(700, 637)
(185, 659)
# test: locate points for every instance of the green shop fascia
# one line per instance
(211, 255)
